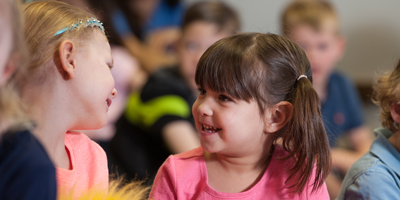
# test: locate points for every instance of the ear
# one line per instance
(66, 63)
(341, 48)
(395, 112)
(9, 69)
(278, 116)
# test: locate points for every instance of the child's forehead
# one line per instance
(306, 32)
(197, 27)
(325, 26)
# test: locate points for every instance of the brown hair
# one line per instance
(265, 67)
(43, 20)
(318, 14)
(216, 13)
(12, 115)
(386, 91)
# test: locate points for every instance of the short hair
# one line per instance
(216, 13)
(386, 91)
(318, 14)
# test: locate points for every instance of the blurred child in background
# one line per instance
(149, 29)
(26, 170)
(314, 25)
(158, 120)
(376, 174)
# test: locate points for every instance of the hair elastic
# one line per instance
(89, 22)
(301, 76)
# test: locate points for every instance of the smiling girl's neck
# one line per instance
(233, 174)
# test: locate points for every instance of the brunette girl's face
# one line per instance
(95, 84)
(227, 125)
(5, 48)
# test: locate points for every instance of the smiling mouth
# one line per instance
(109, 101)
(209, 129)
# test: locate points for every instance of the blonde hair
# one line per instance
(386, 91)
(42, 20)
(318, 14)
(117, 189)
(12, 115)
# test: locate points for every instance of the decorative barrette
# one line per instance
(89, 22)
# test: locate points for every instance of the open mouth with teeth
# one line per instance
(209, 129)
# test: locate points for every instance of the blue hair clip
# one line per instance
(89, 22)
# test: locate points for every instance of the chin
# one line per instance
(100, 123)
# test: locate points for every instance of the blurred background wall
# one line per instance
(371, 28)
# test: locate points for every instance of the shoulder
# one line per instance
(181, 172)
(85, 145)
(24, 162)
(187, 161)
(278, 174)
(369, 177)
(341, 82)
(23, 147)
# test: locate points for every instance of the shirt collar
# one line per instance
(385, 151)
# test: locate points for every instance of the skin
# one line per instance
(237, 147)
(75, 95)
(395, 138)
(197, 37)
(7, 64)
(324, 49)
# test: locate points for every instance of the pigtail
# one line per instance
(305, 139)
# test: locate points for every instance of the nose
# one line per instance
(204, 108)
(113, 93)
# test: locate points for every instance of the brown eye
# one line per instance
(201, 91)
(224, 98)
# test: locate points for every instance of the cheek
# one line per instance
(194, 110)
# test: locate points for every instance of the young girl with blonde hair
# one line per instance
(254, 89)
(70, 87)
(25, 168)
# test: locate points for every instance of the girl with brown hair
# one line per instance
(260, 126)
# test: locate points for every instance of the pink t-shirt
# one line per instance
(89, 166)
(184, 176)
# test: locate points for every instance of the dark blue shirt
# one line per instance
(163, 16)
(342, 110)
(26, 171)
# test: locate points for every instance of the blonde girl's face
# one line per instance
(5, 48)
(94, 82)
(227, 125)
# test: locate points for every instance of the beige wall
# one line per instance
(371, 27)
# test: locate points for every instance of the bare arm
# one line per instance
(361, 139)
(153, 53)
(180, 136)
